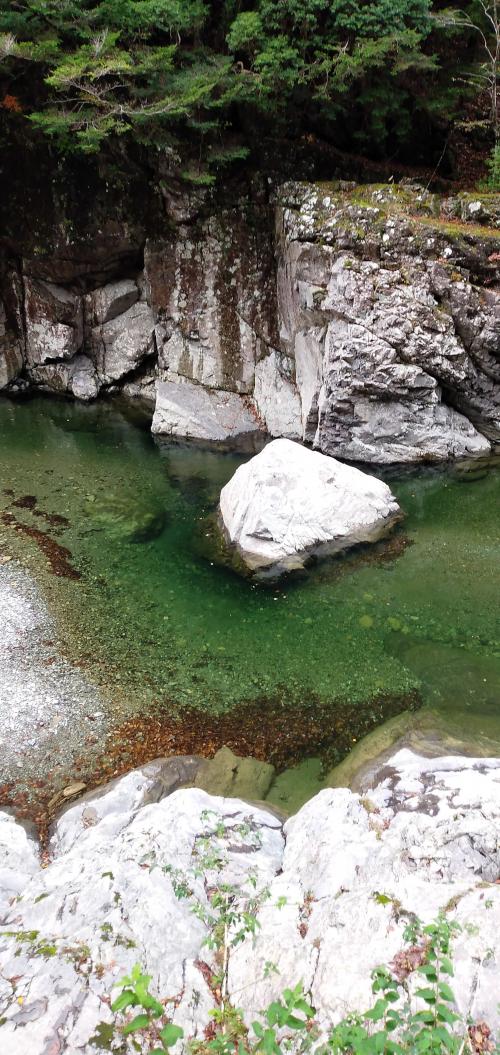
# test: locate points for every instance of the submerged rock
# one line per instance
(288, 504)
(126, 518)
(227, 774)
(471, 469)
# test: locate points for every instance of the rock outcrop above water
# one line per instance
(367, 323)
(335, 885)
(288, 504)
(187, 411)
(391, 317)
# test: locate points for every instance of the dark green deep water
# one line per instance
(155, 617)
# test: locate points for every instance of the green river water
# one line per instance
(153, 617)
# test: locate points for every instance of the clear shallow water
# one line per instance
(170, 630)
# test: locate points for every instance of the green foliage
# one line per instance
(405, 1019)
(183, 73)
(493, 181)
(397, 1024)
(290, 1015)
(135, 994)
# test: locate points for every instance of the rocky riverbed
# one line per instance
(50, 711)
(132, 872)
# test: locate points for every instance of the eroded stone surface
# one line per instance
(11, 356)
(187, 410)
(396, 341)
(128, 794)
(54, 322)
(212, 290)
(76, 377)
(367, 325)
(107, 302)
(340, 880)
(120, 345)
(19, 859)
(277, 399)
(108, 901)
(288, 503)
(426, 839)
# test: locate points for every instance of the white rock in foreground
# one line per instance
(288, 503)
(335, 887)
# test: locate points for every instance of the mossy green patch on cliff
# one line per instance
(330, 211)
(461, 229)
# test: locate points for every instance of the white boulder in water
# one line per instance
(289, 503)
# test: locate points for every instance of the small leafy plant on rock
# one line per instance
(413, 1013)
(407, 1017)
(149, 1017)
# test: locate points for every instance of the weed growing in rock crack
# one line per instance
(395, 1024)
(149, 1020)
(227, 1033)
(413, 1013)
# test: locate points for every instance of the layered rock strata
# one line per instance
(367, 325)
(392, 323)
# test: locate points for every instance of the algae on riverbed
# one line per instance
(170, 631)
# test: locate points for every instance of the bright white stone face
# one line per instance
(425, 837)
(289, 502)
(188, 410)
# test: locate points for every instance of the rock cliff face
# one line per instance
(368, 325)
(134, 868)
(391, 316)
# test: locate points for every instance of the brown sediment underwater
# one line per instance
(59, 557)
(266, 729)
(54, 519)
(25, 502)
(30, 502)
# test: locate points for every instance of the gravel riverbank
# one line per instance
(51, 713)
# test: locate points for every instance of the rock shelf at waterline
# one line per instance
(289, 504)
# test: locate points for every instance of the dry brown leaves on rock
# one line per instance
(408, 960)
(480, 1038)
